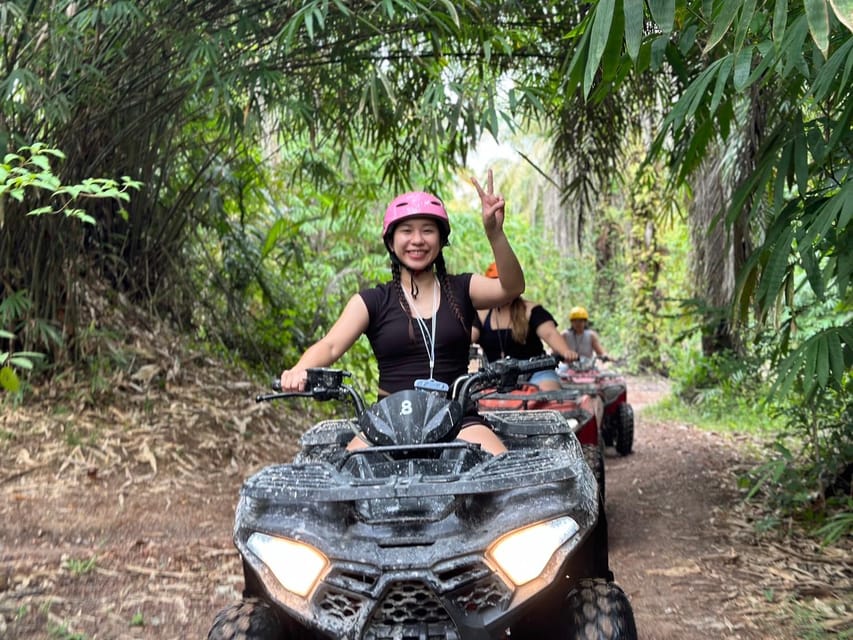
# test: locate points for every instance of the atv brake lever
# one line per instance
(275, 384)
(287, 394)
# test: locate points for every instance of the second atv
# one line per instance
(584, 376)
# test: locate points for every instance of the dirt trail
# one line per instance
(115, 520)
(669, 548)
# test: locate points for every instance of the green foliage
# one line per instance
(808, 473)
(27, 177)
(30, 169)
(13, 309)
(79, 567)
(805, 473)
(798, 186)
(415, 85)
(61, 632)
(819, 618)
(17, 359)
(719, 392)
(839, 525)
(287, 265)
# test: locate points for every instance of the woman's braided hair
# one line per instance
(444, 282)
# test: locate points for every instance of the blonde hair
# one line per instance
(518, 321)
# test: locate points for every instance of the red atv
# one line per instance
(584, 376)
(574, 404)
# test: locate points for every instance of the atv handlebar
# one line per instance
(502, 374)
(589, 363)
(327, 384)
(322, 384)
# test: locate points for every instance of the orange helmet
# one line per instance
(492, 271)
(578, 313)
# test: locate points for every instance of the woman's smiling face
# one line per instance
(416, 242)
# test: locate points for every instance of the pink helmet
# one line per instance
(416, 203)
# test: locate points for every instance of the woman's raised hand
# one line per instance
(493, 205)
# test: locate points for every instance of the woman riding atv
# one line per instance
(517, 330)
(419, 323)
(581, 338)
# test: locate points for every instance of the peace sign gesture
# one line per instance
(493, 205)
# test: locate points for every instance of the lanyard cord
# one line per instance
(496, 327)
(428, 337)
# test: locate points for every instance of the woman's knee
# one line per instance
(483, 435)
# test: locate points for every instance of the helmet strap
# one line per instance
(413, 286)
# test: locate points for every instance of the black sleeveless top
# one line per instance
(397, 342)
(497, 341)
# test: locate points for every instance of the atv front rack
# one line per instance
(322, 482)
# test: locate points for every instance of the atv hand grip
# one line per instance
(537, 364)
(276, 384)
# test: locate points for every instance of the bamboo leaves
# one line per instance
(10, 360)
(780, 20)
(843, 11)
(817, 14)
(598, 40)
(634, 24)
(663, 13)
(821, 360)
(723, 16)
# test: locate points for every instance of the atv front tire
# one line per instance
(624, 429)
(599, 610)
(254, 619)
(594, 609)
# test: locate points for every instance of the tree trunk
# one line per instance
(646, 260)
(712, 260)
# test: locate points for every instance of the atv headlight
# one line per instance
(523, 553)
(295, 565)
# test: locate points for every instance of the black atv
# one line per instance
(423, 536)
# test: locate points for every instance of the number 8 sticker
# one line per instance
(406, 408)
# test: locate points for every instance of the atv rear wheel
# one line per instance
(594, 458)
(254, 619)
(599, 610)
(624, 429)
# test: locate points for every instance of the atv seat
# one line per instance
(537, 422)
(528, 397)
